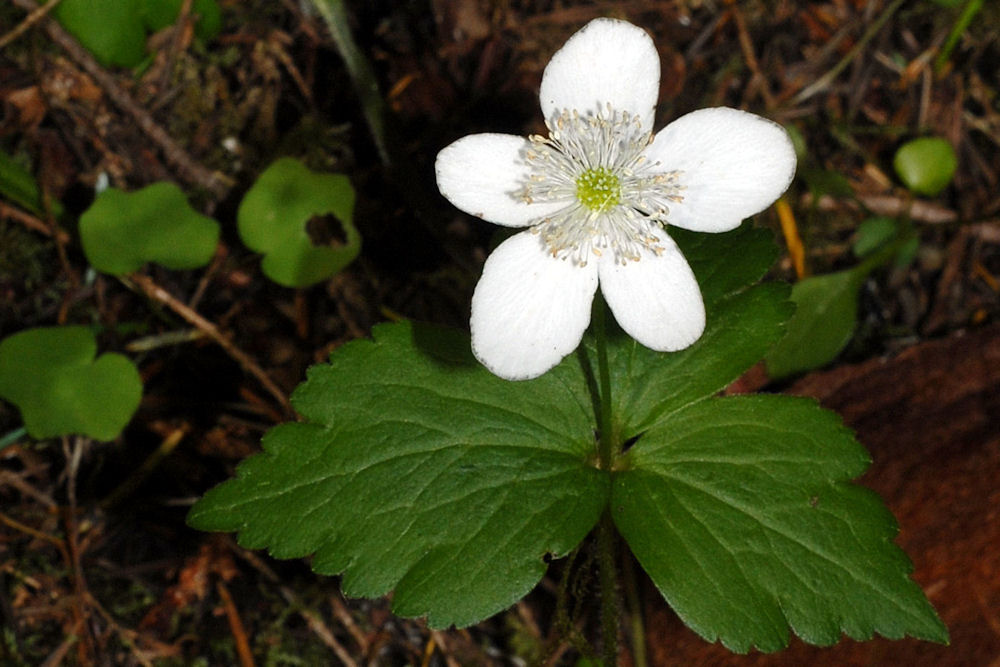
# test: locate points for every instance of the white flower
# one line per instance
(596, 195)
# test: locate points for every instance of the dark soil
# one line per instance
(97, 566)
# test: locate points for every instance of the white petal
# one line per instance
(482, 174)
(605, 61)
(656, 300)
(735, 164)
(529, 309)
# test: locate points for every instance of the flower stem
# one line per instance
(606, 452)
(605, 444)
(610, 608)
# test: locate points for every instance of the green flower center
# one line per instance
(598, 189)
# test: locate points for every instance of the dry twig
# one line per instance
(157, 293)
(187, 168)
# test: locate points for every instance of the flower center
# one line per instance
(614, 199)
(598, 189)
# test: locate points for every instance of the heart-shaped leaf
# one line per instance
(158, 14)
(112, 30)
(274, 217)
(121, 231)
(51, 375)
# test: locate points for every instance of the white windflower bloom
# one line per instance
(596, 196)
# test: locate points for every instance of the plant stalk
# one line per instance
(606, 452)
(610, 607)
(605, 443)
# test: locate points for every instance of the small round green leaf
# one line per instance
(51, 375)
(274, 215)
(926, 165)
(112, 30)
(122, 231)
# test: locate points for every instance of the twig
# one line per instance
(85, 649)
(824, 81)
(746, 45)
(157, 293)
(345, 618)
(319, 628)
(132, 482)
(236, 626)
(312, 619)
(29, 20)
(176, 39)
(37, 534)
(439, 639)
(187, 168)
(32, 223)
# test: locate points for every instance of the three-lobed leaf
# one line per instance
(52, 376)
(114, 31)
(419, 471)
(121, 231)
(741, 511)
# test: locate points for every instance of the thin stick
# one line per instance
(236, 626)
(187, 168)
(32, 223)
(157, 293)
(29, 20)
(746, 45)
(824, 81)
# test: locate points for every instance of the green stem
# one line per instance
(360, 70)
(631, 586)
(610, 607)
(605, 444)
(606, 451)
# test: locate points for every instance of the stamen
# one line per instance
(614, 198)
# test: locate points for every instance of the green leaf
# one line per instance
(19, 186)
(650, 385)
(823, 324)
(122, 231)
(742, 324)
(926, 165)
(740, 510)
(728, 262)
(416, 469)
(112, 30)
(51, 375)
(273, 220)
(874, 233)
(158, 14)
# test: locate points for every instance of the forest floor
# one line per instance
(97, 565)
